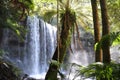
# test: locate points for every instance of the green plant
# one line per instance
(99, 71)
(13, 12)
(54, 62)
(16, 70)
(1, 53)
(114, 38)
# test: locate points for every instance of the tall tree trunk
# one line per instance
(65, 40)
(63, 45)
(105, 30)
(53, 69)
(98, 53)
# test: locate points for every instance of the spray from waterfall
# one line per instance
(39, 46)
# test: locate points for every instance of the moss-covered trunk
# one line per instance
(105, 31)
(64, 42)
(67, 22)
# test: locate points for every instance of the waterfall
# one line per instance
(32, 46)
(81, 53)
(39, 46)
(33, 55)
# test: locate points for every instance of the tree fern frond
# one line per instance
(48, 15)
(99, 70)
(114, 38)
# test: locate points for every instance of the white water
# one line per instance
(34, 44)
(39, 47)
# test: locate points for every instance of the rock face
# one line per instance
(1, 33)
(12, 47)
(26, 77)
(6, 72)
(32, 54)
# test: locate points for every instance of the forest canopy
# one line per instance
(13, 11)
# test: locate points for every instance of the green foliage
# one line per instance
(12, 12)
(47, 16)
(82, 13)
(28, 4)
(54, 62)
(1, 53)
(15, 9)
(100, 71)
(43, 7)
(114, 38)
(49, 1)
(113, 11)
(16, 70)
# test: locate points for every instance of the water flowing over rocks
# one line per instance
(39, 46)
(34, 54)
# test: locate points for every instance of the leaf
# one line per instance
(1, 52)
(54, 62)
(48, 15)
(113, 37)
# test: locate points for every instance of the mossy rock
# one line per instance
(6, 71)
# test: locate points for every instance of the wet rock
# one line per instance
(1, 34)
(6, 72)
(26, 77)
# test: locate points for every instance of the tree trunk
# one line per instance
(98, 53)
(64, 42)
(105, 30)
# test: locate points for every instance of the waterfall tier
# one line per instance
(33, 55)
(39, 46)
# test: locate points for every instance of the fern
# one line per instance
(113, 37)
(99, 70)
(48, 15)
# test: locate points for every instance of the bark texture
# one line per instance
(105, 31)
(65, 39)
(98, 53)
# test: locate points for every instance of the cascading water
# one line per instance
(32, 46)
(39, 46)
(81, 53)
(34, 54)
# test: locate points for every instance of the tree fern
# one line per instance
(82, 13)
